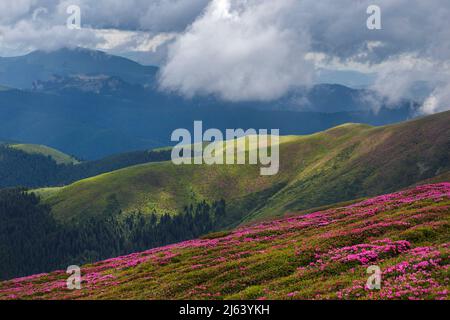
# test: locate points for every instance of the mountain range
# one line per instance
(21, 72)
(90, 104)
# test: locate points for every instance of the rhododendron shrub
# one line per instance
(320, 255)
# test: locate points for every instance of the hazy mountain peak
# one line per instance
(23, 71)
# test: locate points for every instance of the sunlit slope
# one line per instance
(58, 156)
(161, 186)
(368, 162)
(343, 163)
(320, 255)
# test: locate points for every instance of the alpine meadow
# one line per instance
(225, 158)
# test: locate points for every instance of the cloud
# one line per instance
(251, 49)
(154, 16)
(412, 46)
(10, 11)
(137, 41)
(439, 100)
(396, 76)
(239, 50)
(27, 25)
(171, 16)
(25, 36)
(242, 50)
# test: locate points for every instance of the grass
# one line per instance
(320, 255)
(347, 162)
(58, 156)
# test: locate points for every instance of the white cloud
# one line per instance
(396, 76)
(240, 50)
(137, 41)
(438, 101)
(25, 36)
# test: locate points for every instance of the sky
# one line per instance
(253, 49)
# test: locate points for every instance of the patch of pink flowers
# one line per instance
(363, 254)
(348, 238)
(413, 278)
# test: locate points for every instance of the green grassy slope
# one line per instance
(343, 163)
(58, 156)
(321, 255)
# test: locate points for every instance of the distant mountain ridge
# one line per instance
(91, 126)
(40, 69)
(91, 104)
(20, 72)
(103, 85)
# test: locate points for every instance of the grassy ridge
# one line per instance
(58, 156)
(321, 255)
(36, 166)
(343, 163)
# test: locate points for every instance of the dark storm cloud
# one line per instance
(27, 25)
(150, 15)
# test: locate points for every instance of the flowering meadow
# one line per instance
(320, 255)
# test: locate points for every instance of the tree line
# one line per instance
(32, 241)
(19, 168)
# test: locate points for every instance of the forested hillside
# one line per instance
(20, 167)
(28, 227)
